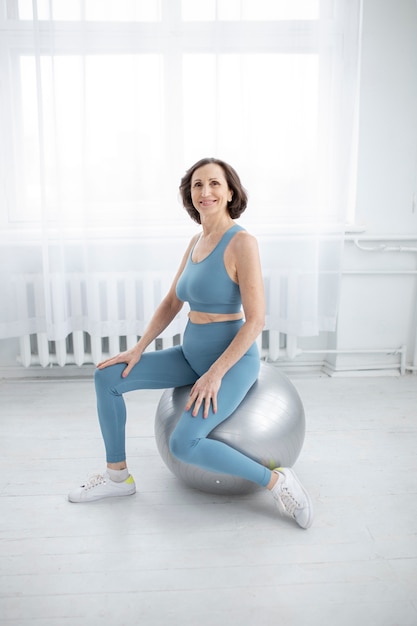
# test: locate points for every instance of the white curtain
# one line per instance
(104, 105)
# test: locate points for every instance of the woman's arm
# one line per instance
(243, 261)
(163, 316)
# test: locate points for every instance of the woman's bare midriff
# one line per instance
(198, 317)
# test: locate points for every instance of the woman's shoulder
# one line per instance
(244, 238)
(243, 244)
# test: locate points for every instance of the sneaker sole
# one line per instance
(75, 500)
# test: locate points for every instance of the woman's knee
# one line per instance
(107, 378)
(181, 447)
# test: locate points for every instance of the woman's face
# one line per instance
(209, 190)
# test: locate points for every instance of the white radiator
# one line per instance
(112, 307)
(114, 297)
(79, 348)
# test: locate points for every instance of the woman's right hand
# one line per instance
(131, 357)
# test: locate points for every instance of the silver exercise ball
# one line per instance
(268, 426)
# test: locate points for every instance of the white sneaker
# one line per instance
(101, 486)
(292, 499)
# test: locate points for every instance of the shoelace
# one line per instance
(288, 502)
(94, 481)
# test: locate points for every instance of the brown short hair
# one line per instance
(238, 202)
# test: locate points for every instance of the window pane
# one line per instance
(29, 196)
(101, 10)
(261, 113)
(95, 154)
(253, 10)
(123, 10)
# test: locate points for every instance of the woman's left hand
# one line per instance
(204, 391)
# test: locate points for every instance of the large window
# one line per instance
(105, 104)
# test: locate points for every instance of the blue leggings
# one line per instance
(176, 367)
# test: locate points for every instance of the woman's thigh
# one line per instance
(156, 370)
(235, 385)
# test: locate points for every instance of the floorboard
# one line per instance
(174, 555)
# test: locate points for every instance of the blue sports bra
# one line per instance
(206, 285)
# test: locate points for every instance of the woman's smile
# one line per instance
(209, 188)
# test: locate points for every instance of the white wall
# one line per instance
(387, 173)
(378, 310)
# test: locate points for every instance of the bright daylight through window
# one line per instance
(112, 101)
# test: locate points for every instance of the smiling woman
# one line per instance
(209, 189)
(213, 202)
(219, 359)
(222, 175)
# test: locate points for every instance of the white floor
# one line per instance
(173, 556)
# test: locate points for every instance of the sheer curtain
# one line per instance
(103, 107)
